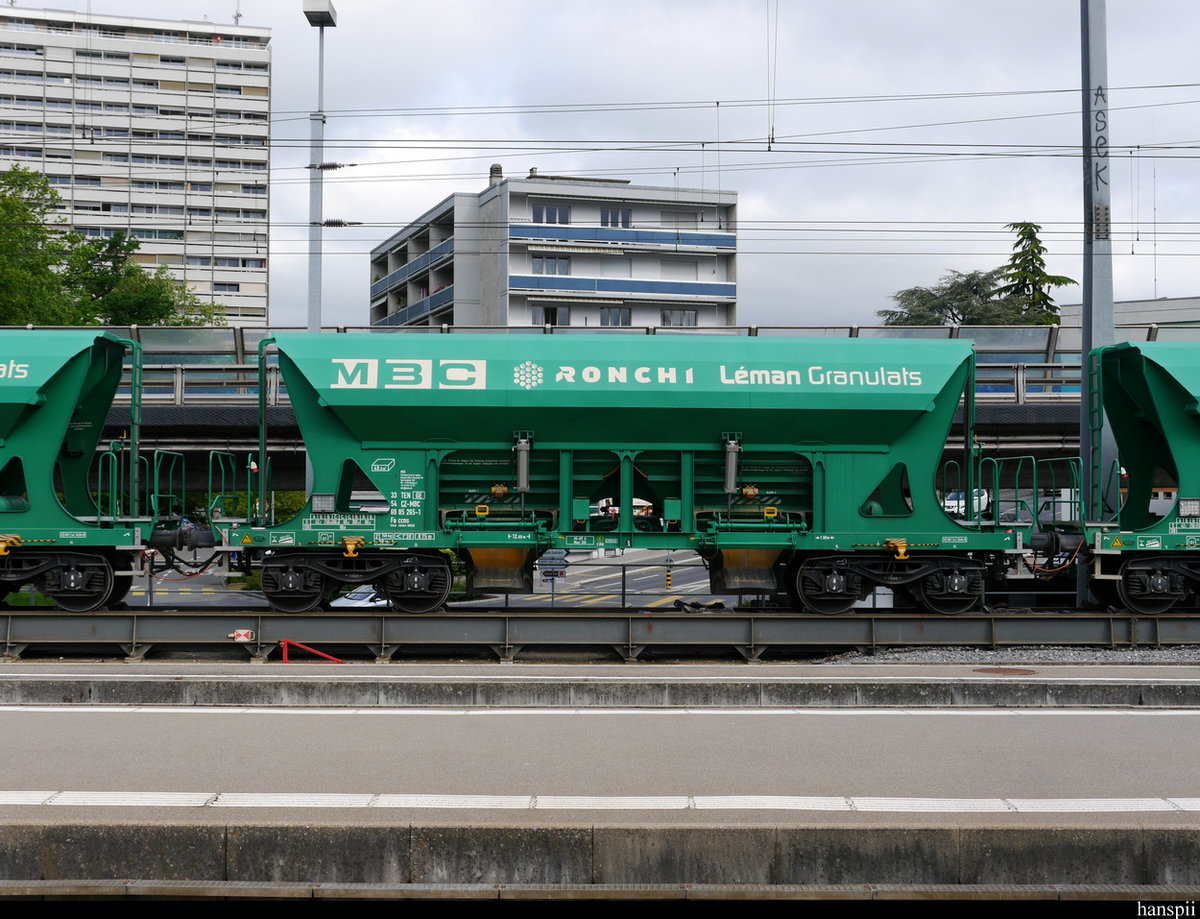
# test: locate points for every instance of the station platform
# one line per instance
(457, 779)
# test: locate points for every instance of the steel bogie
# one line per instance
(941, 583)
(299, 582)
(951, 590)
(79, 583)
(1150, 586)
(420, 583)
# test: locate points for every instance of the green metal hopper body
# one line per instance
(627, 442)
(56, 388)
(1151, 395)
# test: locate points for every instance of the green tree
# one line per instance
(1014, 294)
(31, 252)
(958, 299)
(1025, 278)
(111, 288)
(52, 277)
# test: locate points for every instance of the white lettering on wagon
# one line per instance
(817, 375)
(616, 373)
(363, 373)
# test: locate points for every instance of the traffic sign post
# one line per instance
(553, 565)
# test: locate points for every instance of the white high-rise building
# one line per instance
(155, 127)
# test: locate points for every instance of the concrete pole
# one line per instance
(1097, 447)
(316, 122)
(1097, 318)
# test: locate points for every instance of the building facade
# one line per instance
(562, 251)
(156, 128)
(1164, 311)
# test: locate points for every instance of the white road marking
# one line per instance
(298, 801)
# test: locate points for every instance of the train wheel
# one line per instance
(421, 585)
(949, 591)
(82, 584)
(293, 588)
(1146, 589)
(825, 588)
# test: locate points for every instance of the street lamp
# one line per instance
(320, 13)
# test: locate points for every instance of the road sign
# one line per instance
(551, 573)
(554, 555)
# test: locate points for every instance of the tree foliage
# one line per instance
(1013, 294)
(31, 252)
(958, 299)
(1025, 276)
(52, 277)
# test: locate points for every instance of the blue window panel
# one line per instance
(616, 235)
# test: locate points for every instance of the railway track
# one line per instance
(627, 633)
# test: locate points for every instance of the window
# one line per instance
(199, 261)
(254, 189)
(615, 216)
(226, 262)
(551, 265)
(682, 220)
(678, 317)
(614, 315)
(550, 315)
(226, 288)
(545, 213)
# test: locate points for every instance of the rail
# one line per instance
(222, 384)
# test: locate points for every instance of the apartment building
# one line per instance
(155, 127)
(562, 251)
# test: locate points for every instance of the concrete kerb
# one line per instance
(399, 692)
(441, 855)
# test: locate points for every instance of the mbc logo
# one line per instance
(372, 373)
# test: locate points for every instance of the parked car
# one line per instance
(364, 595)
(955, 503)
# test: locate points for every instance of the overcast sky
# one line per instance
(906, 134)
